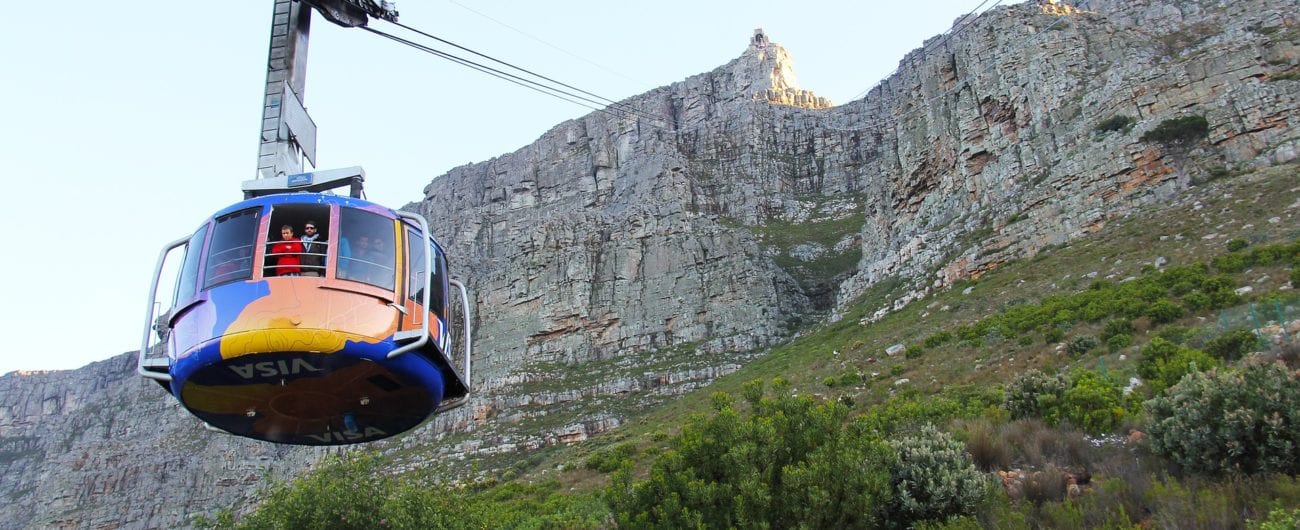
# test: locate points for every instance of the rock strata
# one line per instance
(618, 262)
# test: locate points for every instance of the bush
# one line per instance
(788, 461)
(1197, 301)
(1081, 345)
(1118, 342)
(933, 478)
(1034, 394)
(1237, 244)
(1045, 485)
(1093, 403)
(1118, 326)
(1295, 276)
(1175, 334)
(1175, 131)
(913, 352)
(987, 448)
(1164, 363)
(1164, 311)
(609, 460)
(1118, 122)
(1279, 519)
(1232, 262)
(1245, 421)
(1232, 345)
(346, 492)
(938, 339)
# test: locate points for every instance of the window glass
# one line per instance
(230, 255)
(187, 285)
(415, 276)
(438, 296)
(366, 248)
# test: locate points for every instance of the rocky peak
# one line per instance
(764, 72)
(766, 61)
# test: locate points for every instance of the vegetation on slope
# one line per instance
(1029, 374)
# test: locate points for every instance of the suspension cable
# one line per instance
(526, 83)
(605, 100)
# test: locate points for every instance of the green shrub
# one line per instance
(1237, 244)
(1053, 335)
(938, 339)
(1175, 131)
(1197, 301)
(1163, 363)
(1232, 345)
(932, 478)
(342, 493)
(1118, 122)
(1093, 403)
(1190, 276)
(1175, 334)
(1279, 519)
(913, 352)
(1118, 342)
(609, 460)
(1295, 276)
(1164, 311)
(1034, 394)
(1118, 326)
(787, 461)
(1245, 421)
(1232, 262)
(1081, 345)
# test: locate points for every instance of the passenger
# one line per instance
(351, 266)
(379, 263)
(288, 253)
(313, 259)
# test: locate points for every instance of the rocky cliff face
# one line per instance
(619, 261)
(100, 447)
(709, 231)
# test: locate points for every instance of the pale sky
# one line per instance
(123, 125)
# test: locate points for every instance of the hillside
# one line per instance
(625, 269)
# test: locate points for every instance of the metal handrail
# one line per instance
(148, 312)
(464, 301)
(428, 265)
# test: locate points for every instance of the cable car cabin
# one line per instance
(337, 341)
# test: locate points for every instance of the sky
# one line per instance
(123, 125)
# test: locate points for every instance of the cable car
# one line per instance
(342, 341)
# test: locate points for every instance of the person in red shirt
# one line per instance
(287, 253)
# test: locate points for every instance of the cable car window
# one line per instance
(303, 254)
(230, 254)
(366, 250)
(188, 283)
(438, 296)
(415, 276)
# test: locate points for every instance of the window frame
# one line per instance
(211, 281)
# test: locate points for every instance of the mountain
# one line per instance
(630, 256)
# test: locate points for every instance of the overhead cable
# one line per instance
(548, 44)
(526, 83)
(606, 100)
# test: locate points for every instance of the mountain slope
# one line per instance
(619, 263)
